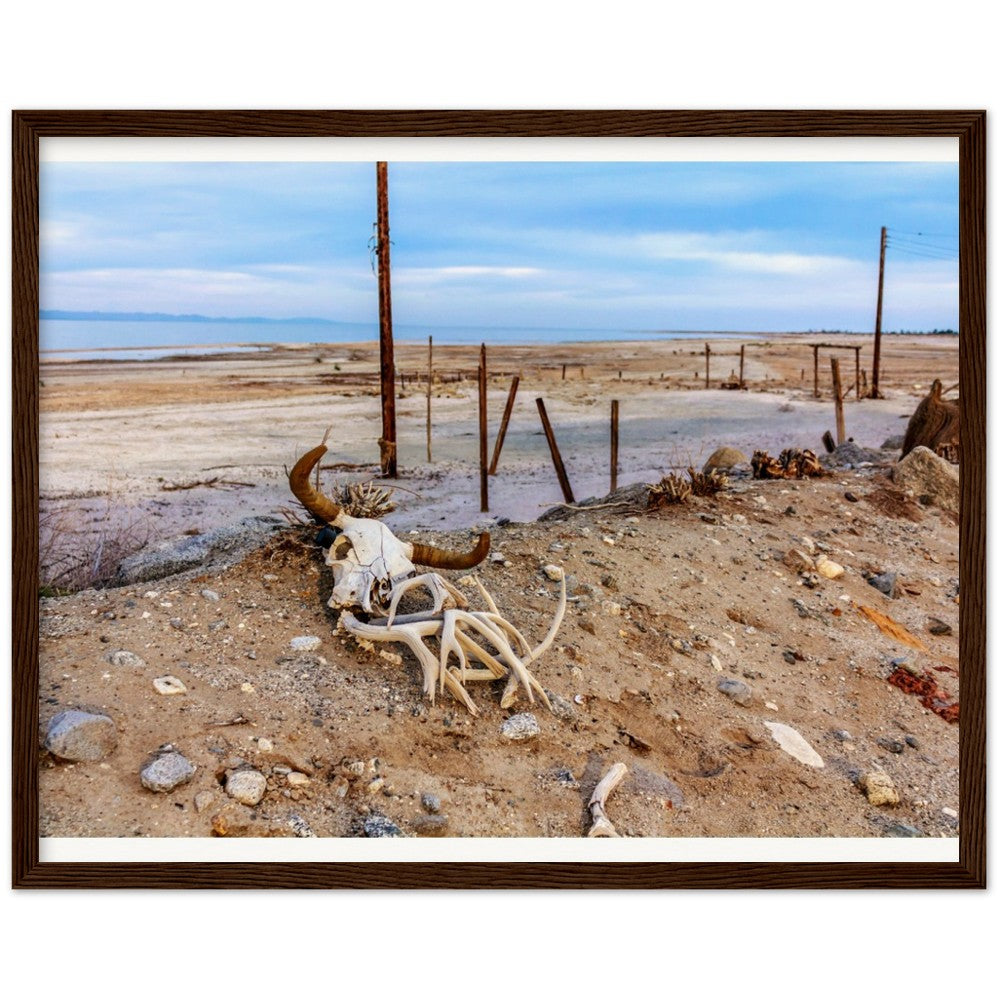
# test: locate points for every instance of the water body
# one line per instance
(141, 340)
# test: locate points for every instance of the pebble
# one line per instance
(829, 569)
(948, 811)
(893, 746)
(306, 643)
(429, 826)
(562, 708)
(520, 727)
(740, 693)
(716, 663)
(247, 787)
(794, 744)
(374, 786)
(81, 736)
(381, 826)
(911, 741)
(937, 627)
(210, 595)
(124, 658)
(299, 826)
(797, 560)
(904, 830)
(553, 572)
(842, 735)
(770, 705)
(169, 685)
(264, 745)
(203, 800)
(166, 771)
(297, 779)
(879, 789)
(430, 803)
(884, 582)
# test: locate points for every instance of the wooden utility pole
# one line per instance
(875, 394)
(742, 352)
(554, 450)
(507, 410)
(430, 380)
(484, 488)
(838, 400)
(387, 367)
(815, 371)
(614, 445)
(708, 354)
(857, 372)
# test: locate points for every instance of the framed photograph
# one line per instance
(499, 499)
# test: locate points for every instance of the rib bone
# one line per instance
(602, 826)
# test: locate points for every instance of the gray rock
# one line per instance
(723, 459)
(850, 455)
(203, 800)
(166, 771)
(381, 826)
(299, 826)
(210, 595)
(81, 736)
(893, 746)
(429, 826)
(430, 803)
(894, 443)
(562, 708)
(740, 692)
(214, 549)
(926, 475)
(247, 786)
(123, 658)
(903, 830)
(937, 627)
(306, 643)
(911, 741)
(884, 582)
(520, 727)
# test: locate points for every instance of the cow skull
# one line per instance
(366, 558)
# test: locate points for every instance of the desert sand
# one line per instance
(663, 605)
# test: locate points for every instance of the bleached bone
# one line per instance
(440, 589)
(602, 826)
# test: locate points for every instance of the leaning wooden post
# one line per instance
(708, 352)
(430, 379)
(614, 445)
(875, 394)
(742, 349)
(507, 410)
(838, 400)
(484, 498)
(857, 372)
(387, 367)
(554, 449)
(815, 371)
(564, 373)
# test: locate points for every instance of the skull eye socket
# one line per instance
(341, 546)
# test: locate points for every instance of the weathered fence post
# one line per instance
(554, 449)
(708, 352)
(503, 424)
(614, 445)
(815, 371)
(857, 372)
(430, 379)
(484, 498)
(742, 349)
(838, 400)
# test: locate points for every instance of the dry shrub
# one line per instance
(670, 489)
(707, 484)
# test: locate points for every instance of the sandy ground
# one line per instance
(663, 605)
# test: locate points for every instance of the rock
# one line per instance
(297, 779)
(949, 812)
(842, 736)
(562, 708)
(850, 455)
(169, 685)
(123, 658)
(903, 830)
(911, 741)
(553, 572)
(429, 826)
(884, 582)
(215, 549)
(723, 459)
(937, 627)
(299, 826)
(247, 787)
(430, 803)
(203, 800)
(741, 693)
(829, 569)
(210, 595)
(81, 736)
(879, 789)
(306, 643)
(925, 474)
(797, 561)
(520, 727)
(894, 443)
(264, 745)
(893, 746)
(166, 771)
(381, 826)
(794, 744)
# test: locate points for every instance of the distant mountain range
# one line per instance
(155, 317)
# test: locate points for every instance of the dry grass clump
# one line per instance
(707, 484)
(670, 489)
(364, 500)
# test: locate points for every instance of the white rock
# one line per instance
(247, 787)
(306, 643)
(521, 727)
(169, 685)
(948, 811)
(794, 744)
(297, 779)
(716, 663)
(771, 705)
(264, 745)
(124, 658)
(829, 569)
(553, 572)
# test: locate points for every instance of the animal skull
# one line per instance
(367, 561)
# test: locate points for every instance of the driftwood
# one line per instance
(935, 424)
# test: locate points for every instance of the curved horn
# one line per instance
(298, 479)
(430, 555)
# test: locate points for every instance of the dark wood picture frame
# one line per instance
(969, 127)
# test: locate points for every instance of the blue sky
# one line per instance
(714, 246)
